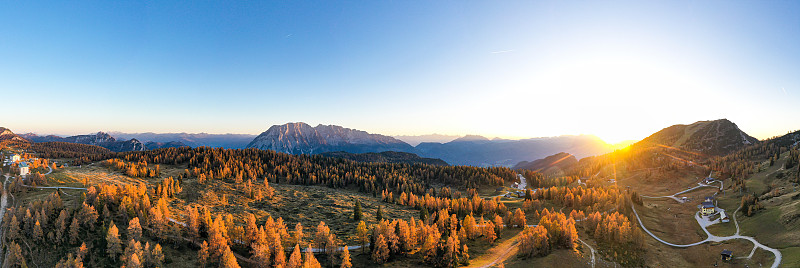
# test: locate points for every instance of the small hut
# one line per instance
(726, 255)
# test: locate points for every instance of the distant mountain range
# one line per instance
(710, 138)
(119, 141)
(416, 140)
(100, 139)
(229, 141)
(386, 157)
(480, 151)
(301, 138)
(717, 137)
(150, 145)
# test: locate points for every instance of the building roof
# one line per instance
(707, 205)
(722, 215)
(727, 252)
(23, 164)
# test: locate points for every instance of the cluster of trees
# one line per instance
(168, 188)
(745, 162)
(38, 162)
(14, 143)
(461, 206)
(258, 193)
(750, 204)
(18, 184)
(534, 242)
(217, 248)
(134, 169)
(531, 205)
(49, 222)
(82, 153)
(595, 199)
(265, 244)
(613, 228)
(555, 230)
(441, 243)
(537, 180)
(135, 254)
(794, 163)
(560, 229)
(793, 159)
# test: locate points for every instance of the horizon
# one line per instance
(455, 136)
(618, 70)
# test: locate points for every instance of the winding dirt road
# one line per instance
(506, 250)
(590, 248)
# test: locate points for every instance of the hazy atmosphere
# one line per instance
(498, 69)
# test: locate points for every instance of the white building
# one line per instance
(23, 169)
(15, 158)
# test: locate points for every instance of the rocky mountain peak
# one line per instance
(301, 138)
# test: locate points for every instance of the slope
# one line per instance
(711, 138)
(559, 161)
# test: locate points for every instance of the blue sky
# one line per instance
(617, 69)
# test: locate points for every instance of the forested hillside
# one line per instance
(387, 157)
(240, 164)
